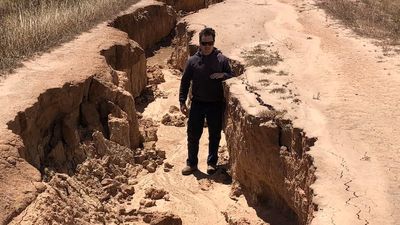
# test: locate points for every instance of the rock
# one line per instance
(162, 218)
(159, 162)
(236, 191)
(128, 189)
(121, 179)
(168, 165)
(166, 119)
(173, 120)
(112, 188)
(11, 160)
(147, 202)
(154, 193)
(151, 167)
(149, 145)
(99, 143)
(119, 130)
(173, 109)
(40, 187)
(150, 134)
(139, 159)
(106, 181)
(151, 153)
(161, 154)
(166, 197)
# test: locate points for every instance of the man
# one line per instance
(206, 70)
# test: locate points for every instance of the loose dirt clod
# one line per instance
(176, 120)
(162, 218)
(154, 193)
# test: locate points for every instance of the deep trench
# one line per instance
(285, 147)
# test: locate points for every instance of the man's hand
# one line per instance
(184, 109)
(217, 75)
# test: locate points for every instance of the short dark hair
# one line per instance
(208, 31)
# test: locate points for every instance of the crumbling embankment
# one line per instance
(268, 154)
(52, 131)
(268, 157)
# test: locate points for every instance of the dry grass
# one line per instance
(260, 55)
(28, 27)
(267, 70)
(264, 82)
(282, 73)
(278, 90)
(375, 18)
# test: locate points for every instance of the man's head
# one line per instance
(207, 39)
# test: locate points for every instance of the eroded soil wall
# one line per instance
(147, 25)
(269, 158)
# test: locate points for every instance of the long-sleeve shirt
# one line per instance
(198, 71)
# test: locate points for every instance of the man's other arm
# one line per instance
(185, 85)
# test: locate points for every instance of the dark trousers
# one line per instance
(213, 112)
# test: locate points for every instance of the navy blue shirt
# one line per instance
(198, 71)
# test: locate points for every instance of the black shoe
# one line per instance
(211, 169)
(187, 170)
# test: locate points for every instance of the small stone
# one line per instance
(132, 182)
(147, 202)
(152, 154)
(166, 197)
(166, 119)
(168, 165)
(139, 159)
(128, 189)
(106, 181)
(161, 153)
(154, 193)
(159, 162)
(146, 162)
(11, 160)
(40, 187)
(173, 109)
(112, 188)
(151, 167)
(149, 145)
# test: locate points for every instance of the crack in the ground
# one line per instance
(258, 96)
(351, 198)
(348, 186)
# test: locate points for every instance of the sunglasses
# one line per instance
(209, 43)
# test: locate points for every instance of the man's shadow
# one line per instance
(221, 175)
